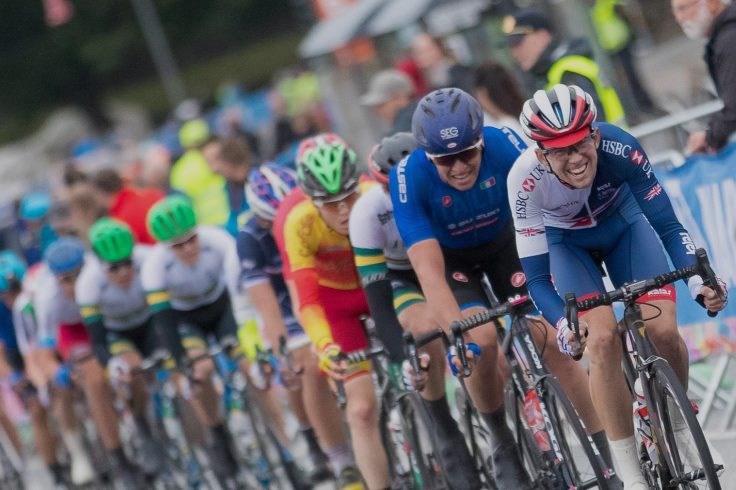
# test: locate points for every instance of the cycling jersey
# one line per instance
(260, 262)
(321, 259)
(101, 300)
(54, 309)
(168, 282)
(24, 314)
(426, 207)
(624, 186)
(285, 206)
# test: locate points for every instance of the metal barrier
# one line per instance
(673, 120)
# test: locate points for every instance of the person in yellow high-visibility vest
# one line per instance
(616, 37)
(193, 176)
(548, 61)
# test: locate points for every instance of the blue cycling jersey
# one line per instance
(426, 207)
(260, 261)
(596, 218)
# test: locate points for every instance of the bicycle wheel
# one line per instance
(477, 436)
(682, 447)
(583, 465)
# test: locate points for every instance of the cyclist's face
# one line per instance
(576, 165)
(336, 212)
(67, 282)
(460, 170)
(187, 250)
(120, 273)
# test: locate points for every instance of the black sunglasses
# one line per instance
(120, 264)
(465, 156)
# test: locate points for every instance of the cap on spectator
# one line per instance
(385, 85)
(193, 133)
(524, 22)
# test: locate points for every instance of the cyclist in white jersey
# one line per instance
(114, 310)
(395, 300)
(191, 282)
(60, 326)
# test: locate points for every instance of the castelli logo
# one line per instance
(518, 279)
(446, 201)
(459, 276)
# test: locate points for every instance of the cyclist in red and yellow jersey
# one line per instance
(328, 291)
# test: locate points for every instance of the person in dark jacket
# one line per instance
(391, 97)
(548, 61)
(714, 20)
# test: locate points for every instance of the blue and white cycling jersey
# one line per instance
(260, 262)
(624, 186)
(426, 207)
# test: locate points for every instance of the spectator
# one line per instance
(193, 176)
(499, 96)
(439, 67)
(533, 45)
(84, 210)
(155, 168)
(232, 159)
(714, 20)
(391, 97)
(126, 203)
(615, 36)
(407, 65)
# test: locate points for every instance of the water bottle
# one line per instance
(642, 429)
(533, 414)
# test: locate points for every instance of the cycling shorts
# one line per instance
(343, 309)
(498, 260)
(142, 339)
(624, 240)
(73, 340)
(216, 319)
(406, 289)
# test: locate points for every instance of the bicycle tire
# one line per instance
(422, 430)
(665, 384)
(475, 434)
(566, 423)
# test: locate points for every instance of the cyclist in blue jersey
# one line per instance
(588, 193)
(451, 209)
(261, 276)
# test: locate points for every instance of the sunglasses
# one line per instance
(119, 265)
(559, 154)
(337, 203)
(183, 243)
(464, 156)
(68, 278)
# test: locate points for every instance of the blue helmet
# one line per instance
(267, 186)
(447, 121)
(64, 255)
(34, 206)
(12, 271)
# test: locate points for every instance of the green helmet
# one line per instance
(171, 218)
(326, 166)
(193, 133)
(111, 240)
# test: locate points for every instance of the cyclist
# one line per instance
(115, 312)
(396, 301)
(261, 276)
(60, 326)
(16, 289)
(330, 300)
(589, 189)
(450, 206)
(33, 229)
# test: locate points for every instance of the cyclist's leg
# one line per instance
(204, 400)
(575, 271)
(7, 366)
(43, 438)
(343, 310)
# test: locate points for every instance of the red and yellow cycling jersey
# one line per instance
(319, 257)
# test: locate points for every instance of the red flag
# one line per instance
(58, 12)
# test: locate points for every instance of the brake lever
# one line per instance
(571, 314)
(459, 341)
(705, 271)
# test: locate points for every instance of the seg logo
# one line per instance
(449, 133)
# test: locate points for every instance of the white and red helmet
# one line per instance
(559, 117)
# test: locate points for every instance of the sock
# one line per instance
(500, 433)
(626, 462)
(311, 438)
(340, 457)
(74, 444)
(439, 411)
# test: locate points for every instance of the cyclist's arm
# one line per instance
(531, 239)
(87, 296)
(158, 298)
(429, 264)
(300, 249)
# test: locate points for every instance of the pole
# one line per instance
(160, 51)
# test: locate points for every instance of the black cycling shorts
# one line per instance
(142, 338)
(499, 260)
(216, 319)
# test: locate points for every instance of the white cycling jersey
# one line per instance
(121, 309)
(197, 285)
(372, 226)
(24, 315)
(53, 308)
